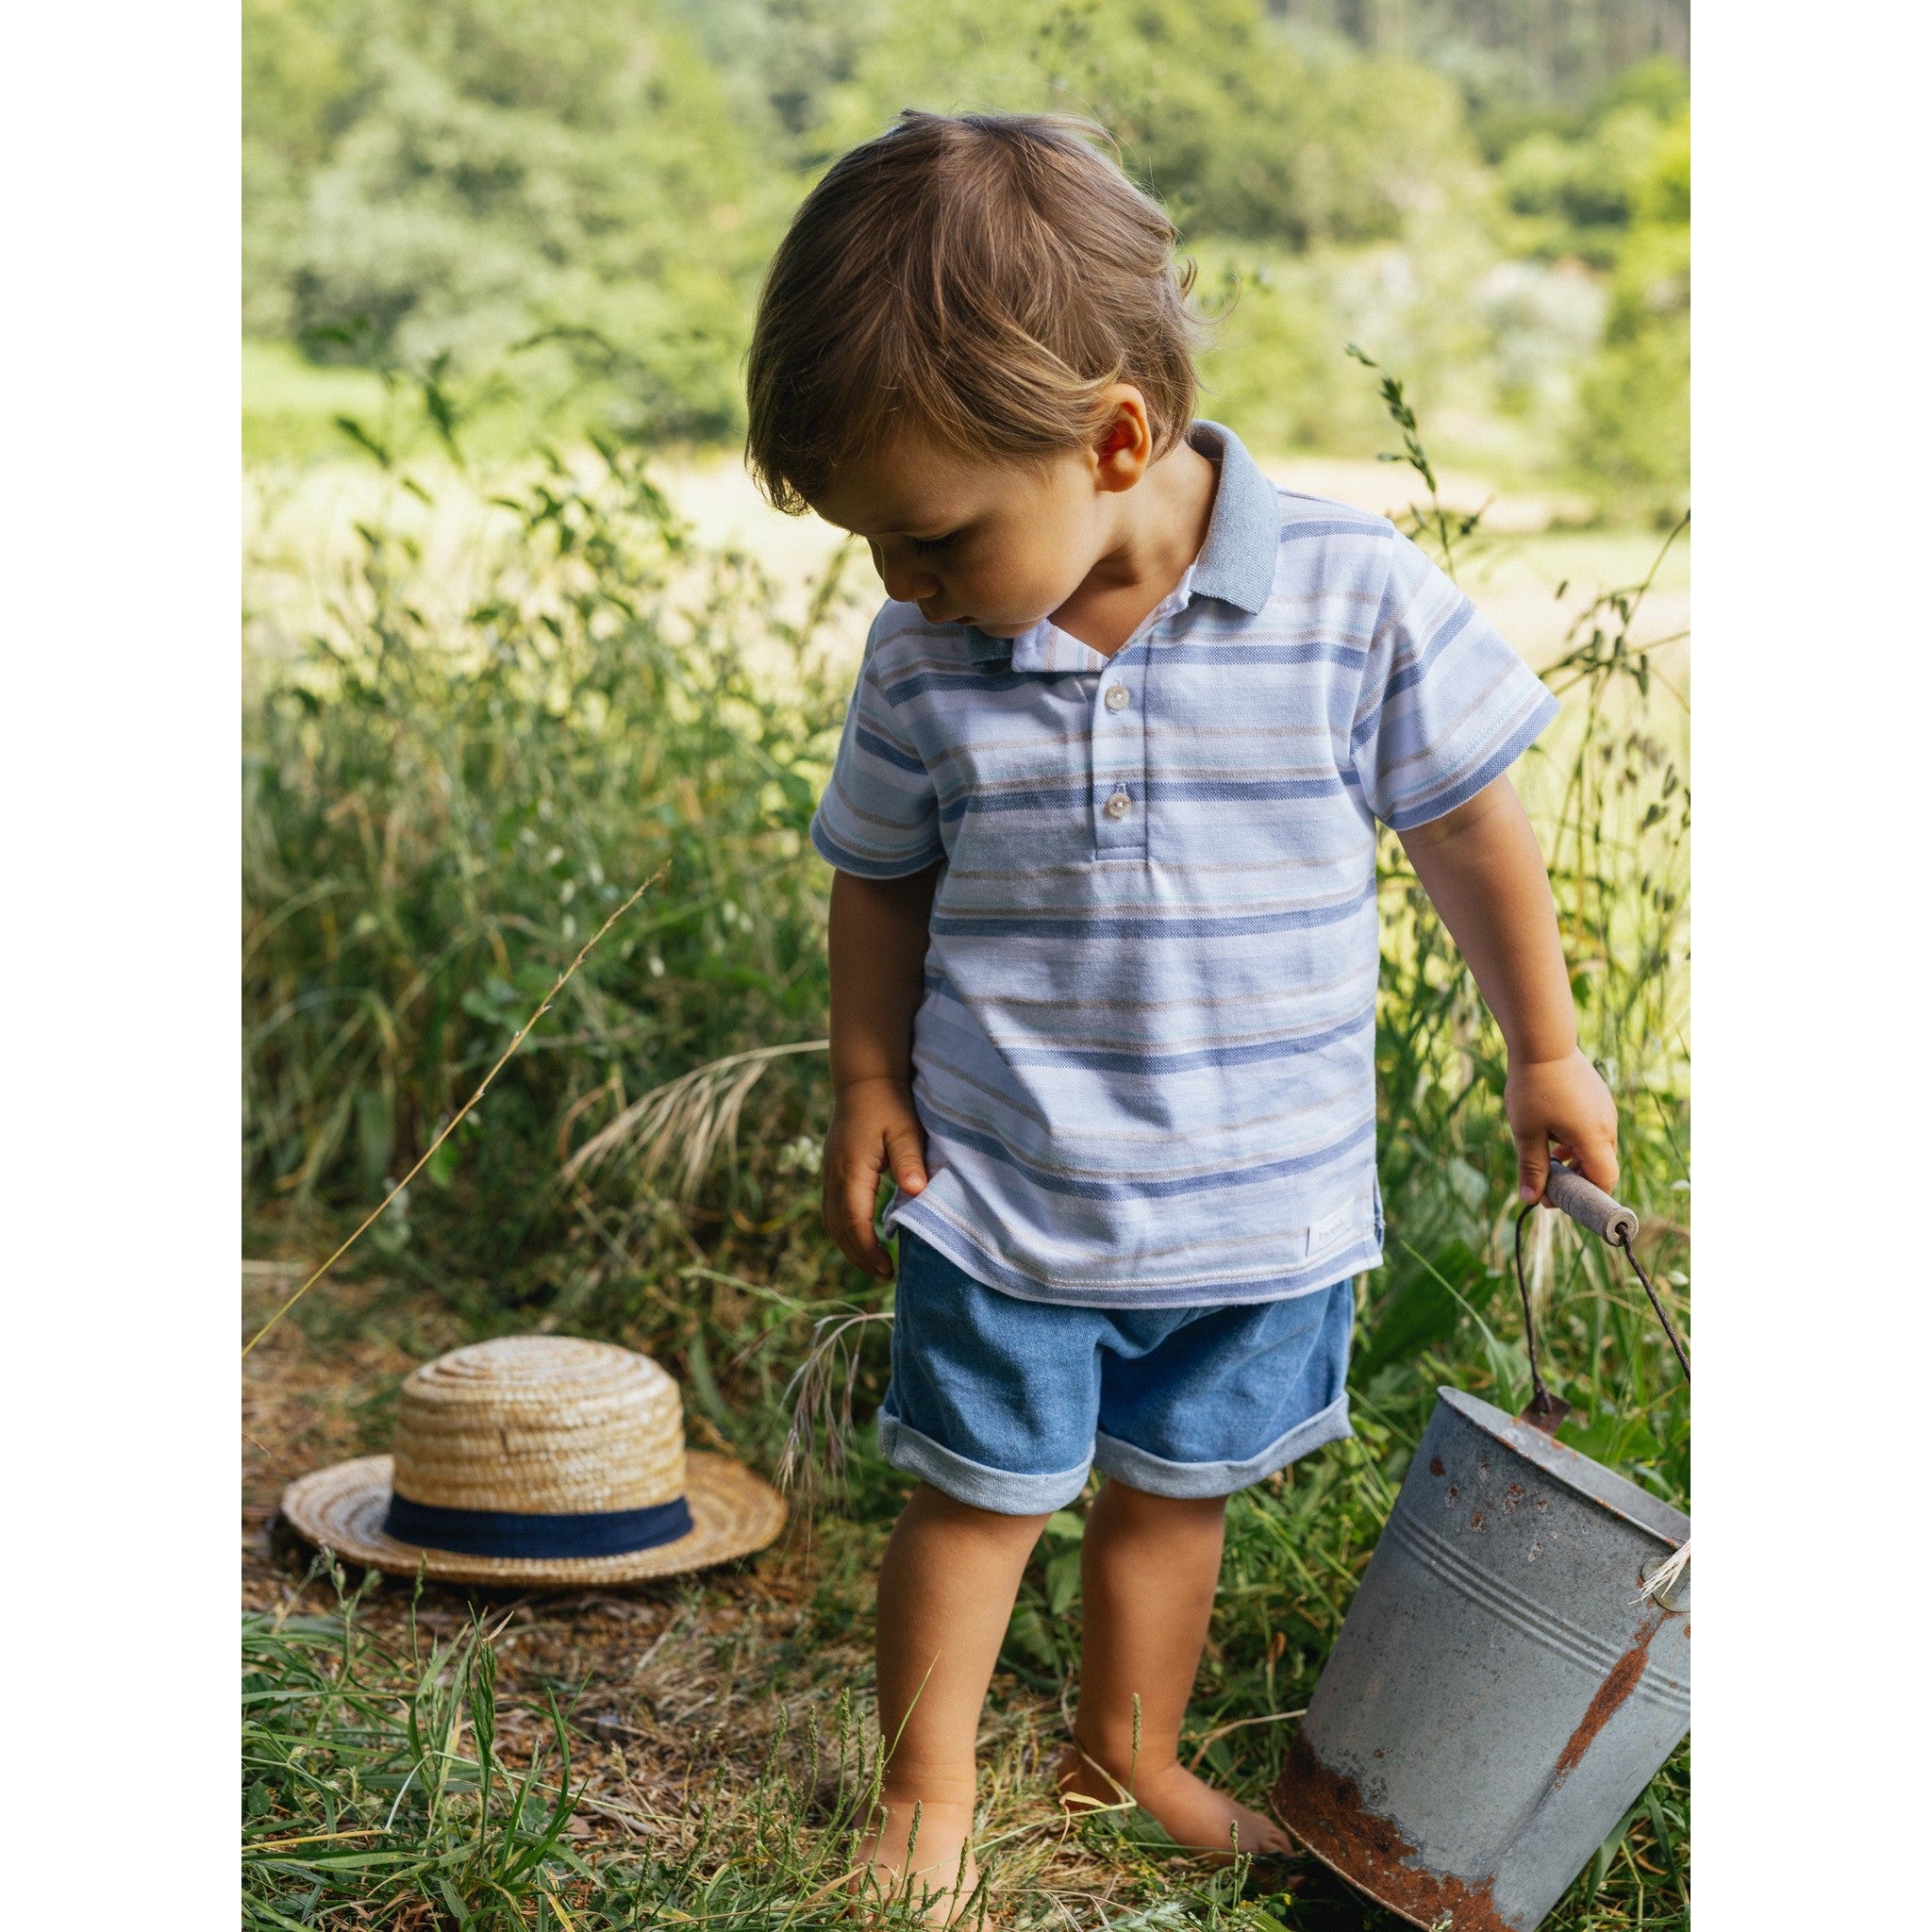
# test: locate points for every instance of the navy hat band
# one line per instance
(507, 1533)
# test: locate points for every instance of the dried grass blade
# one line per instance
(697, 1113)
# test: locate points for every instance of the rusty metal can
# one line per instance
(1503, 1686)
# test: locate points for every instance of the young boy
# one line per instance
(1104, 942)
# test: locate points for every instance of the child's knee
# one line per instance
(1145, 1504)
(936, 1505)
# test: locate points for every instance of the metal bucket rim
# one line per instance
(1591, 1481)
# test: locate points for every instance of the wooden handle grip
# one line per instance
(1584, 1201)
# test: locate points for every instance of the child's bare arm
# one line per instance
(1482, 868)
(878, 950)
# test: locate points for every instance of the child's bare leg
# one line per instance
(1148, 1569)
(946, 1589)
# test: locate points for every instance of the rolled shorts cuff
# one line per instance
(1191, 1480)
(1002, 1490)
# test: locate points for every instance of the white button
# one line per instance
(1119, 805)
(1117, 697)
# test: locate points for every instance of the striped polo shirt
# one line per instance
(1144, 1055)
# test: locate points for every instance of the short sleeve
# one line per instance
(879, 815)
(1445, 706)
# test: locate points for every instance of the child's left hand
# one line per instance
(1560, 1106)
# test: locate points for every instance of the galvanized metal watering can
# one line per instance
(1514, 1669)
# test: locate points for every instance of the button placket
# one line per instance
(1120, 762)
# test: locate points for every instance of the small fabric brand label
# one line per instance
(1325, 1232)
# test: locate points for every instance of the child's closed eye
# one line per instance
(927, 545)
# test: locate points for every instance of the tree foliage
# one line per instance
(1242, 133)
(488, 171)
(587, 191)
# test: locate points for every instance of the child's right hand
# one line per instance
(875, 1131)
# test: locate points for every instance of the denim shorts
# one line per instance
(1006, 1403)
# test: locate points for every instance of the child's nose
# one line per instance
(906, 583)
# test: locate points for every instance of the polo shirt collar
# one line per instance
(1236, 563)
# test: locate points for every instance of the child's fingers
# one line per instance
(862, 1244)
(1595, 1155)
(1592, 1154)
(1532, 1164)
(848, 1204)
(905, 1156)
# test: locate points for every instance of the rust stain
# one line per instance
(1435, 1466)
(1454, 1490)
(1324, 1810)
(1512, 1496)
(1477, 1519)
(1611, 1696)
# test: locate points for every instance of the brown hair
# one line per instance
(980, 277)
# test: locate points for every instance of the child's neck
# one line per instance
(1159, 528)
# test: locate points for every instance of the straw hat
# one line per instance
(538, 1459)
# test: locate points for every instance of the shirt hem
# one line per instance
(991, 1272)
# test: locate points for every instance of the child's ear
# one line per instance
(1123, 446)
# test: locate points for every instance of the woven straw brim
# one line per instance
(341, 1508)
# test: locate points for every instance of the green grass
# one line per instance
(379, 1786)
(436, 814)
(293, 409)
(389, 1778)
(388, 1766)
(290, 403)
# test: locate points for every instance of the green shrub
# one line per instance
(465, 175)
(1633, 424)
(434, 821)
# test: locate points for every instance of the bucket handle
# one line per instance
(1587, 1205)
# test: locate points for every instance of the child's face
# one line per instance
(998, 545)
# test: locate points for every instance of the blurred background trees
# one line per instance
(582, 194)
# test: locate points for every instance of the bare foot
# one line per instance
(935, 1882)
(1189, 1810)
